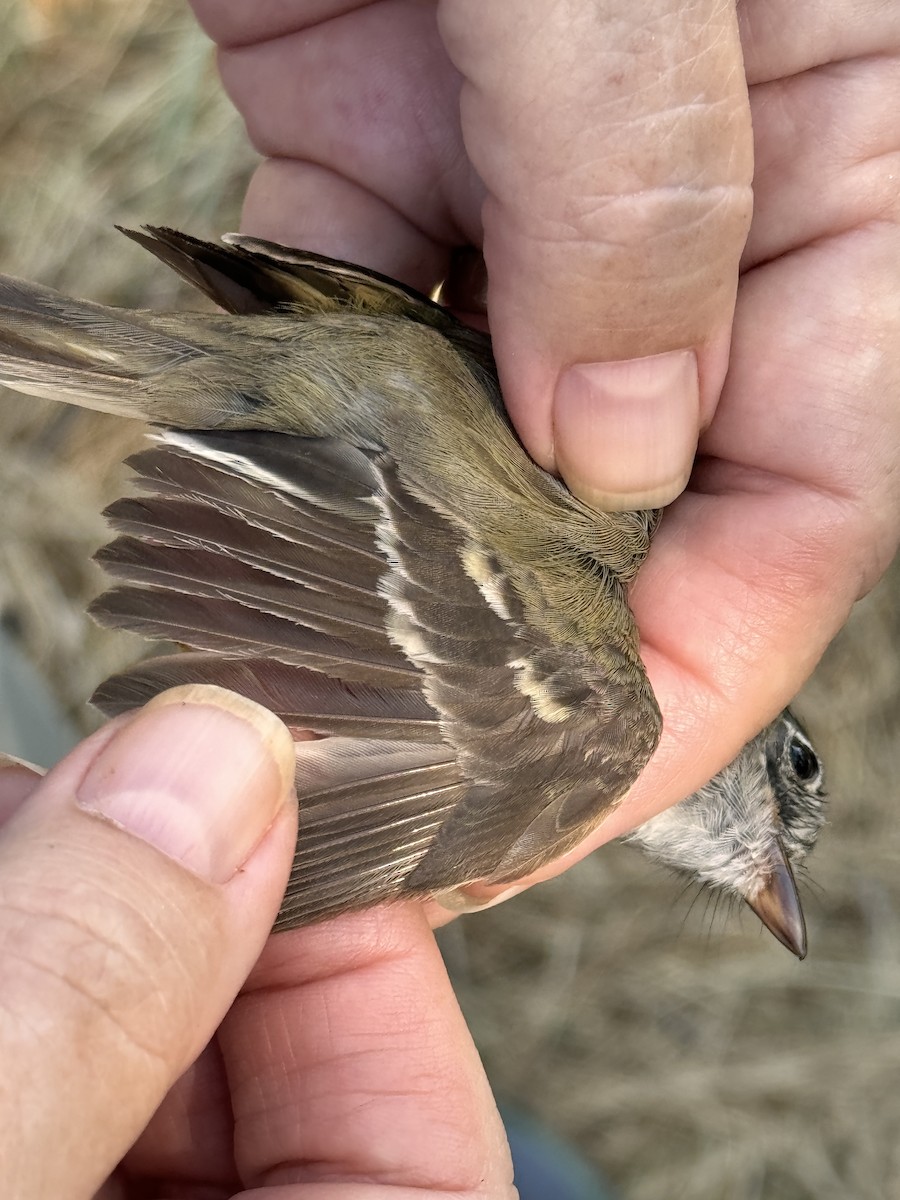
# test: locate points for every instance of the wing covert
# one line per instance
(305, 574)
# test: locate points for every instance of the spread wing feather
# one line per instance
(201, 572)
(303, 556)
(533, 763)
(304, 699)
(252, 474)
(368, 814)
(228, 627)
(329, 579)
(393, 631)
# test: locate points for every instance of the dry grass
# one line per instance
(682, 1050)
(109, 114)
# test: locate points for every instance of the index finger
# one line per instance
(349, 1060)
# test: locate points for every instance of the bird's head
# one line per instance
(750, 826)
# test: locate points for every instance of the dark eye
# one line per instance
(803, 760)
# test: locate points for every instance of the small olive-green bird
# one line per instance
(340, 523)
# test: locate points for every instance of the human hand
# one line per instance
(138, 883)
(604, 167)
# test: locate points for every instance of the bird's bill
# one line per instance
(777, 904)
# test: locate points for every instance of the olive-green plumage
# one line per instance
(341, 523)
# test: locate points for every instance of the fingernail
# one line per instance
(625, 433)
(200, 774)
(9, 762)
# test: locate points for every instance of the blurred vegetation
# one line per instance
(109, 114)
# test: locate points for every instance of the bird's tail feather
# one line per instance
(73, 350)
(177, 370)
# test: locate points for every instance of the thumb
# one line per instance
(614, 142)
(138, 883)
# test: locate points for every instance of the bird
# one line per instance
(745, 831)
(336, 518)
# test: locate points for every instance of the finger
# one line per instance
(358, 118)
(349, 1061)
(582, 299)
(799, 515)
(614, 143)
(190, 1137)
(851, 102)
(233, 23)
(797, 520)
(781, 40)
(137, 886)
(304, 204)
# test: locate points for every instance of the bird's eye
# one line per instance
(803, 760)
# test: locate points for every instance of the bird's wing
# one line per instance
(229, 554)
(304, 574)
(538, 727)
(369, 813)
(250, 275)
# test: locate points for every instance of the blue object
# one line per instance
(545, 1168)
(32, 725)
